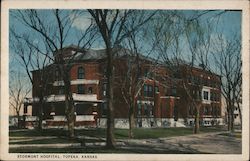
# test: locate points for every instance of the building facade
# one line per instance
(163, 97)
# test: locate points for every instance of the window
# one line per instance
(139, 109)
(151, 112)
(80, 89)
(205, 82)
(148, 110)
(145, 109)
(90, 90)
(215, 111)
(104, 109)
(145, 90)
(196, 80)
(199, 80)
(104, 89)
(25, 110)
(56, 75)
(175, 113)
(212, 110)
(199, 94)
(218, 111)
(156, 89)
(176, 74)
(174, 91)
(212, 96)
(146, 72)
(205, 95)
(61, 90)
(206, 110)
(81, 73)
(218, 97)
(150, 91)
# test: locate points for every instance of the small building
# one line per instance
(164, 97)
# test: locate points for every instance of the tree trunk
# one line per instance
(71, 122)
(110, 141)
(197, 120)
(40, 121)
(240, 115)
(131, 121)
(69, 107)
(229, 116)
(18, 121)
(232, 121)
(69, 102)
(228, 121)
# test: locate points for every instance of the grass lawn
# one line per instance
(99, 134)
(34, 132)
(235, 134)
(160, 132)
(139, 133)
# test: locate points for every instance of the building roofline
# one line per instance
(99, 55)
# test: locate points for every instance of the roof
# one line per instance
(77, 54)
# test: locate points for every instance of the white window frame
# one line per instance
(204, 89)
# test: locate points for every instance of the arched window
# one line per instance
(80, 73)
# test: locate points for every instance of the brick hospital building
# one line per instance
(161, 101)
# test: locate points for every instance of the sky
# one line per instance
(226, 24)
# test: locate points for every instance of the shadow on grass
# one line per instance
(36, 132)
(99, 136)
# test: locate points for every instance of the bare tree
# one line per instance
(185, 43)
(199, 40)
(31, 60)
(129, 82)
(18, 91)
(227, 56)
(113, 28)
(130, 79)
(54, 35)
